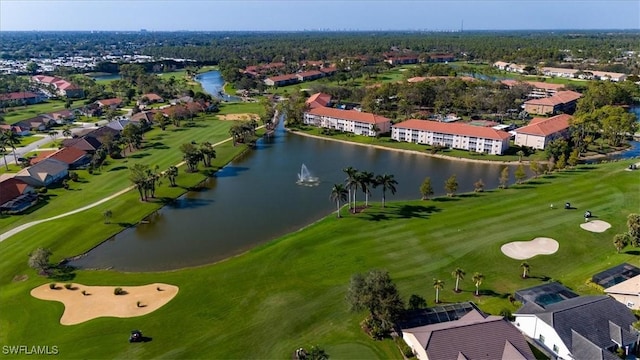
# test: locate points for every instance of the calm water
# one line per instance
(256, 199)
(213, 83)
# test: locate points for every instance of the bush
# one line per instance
(74, 176)
(374, 328)
(404, 348)
(119, 291)
(507, 314)
(68, 286)
(42, 190)
(53, 286)
(85, 293)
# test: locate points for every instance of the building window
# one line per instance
(555, 348)
(541, 338)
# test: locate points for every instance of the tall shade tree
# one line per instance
(525, 269)
(451, 185)
(438, 285)
(477, 279)
(620, 241)
(458, 274)
(338, 193)
(377, 293)
(633, 224)
(191, 156)
(386, 182)
(350, 180)
(39, 261)
(616, 123)
(426, 190)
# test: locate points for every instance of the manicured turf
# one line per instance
(290, 292)
(19, 113)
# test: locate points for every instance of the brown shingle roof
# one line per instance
(68, 155)
(453, 128)
(11, 189)
(351, 115)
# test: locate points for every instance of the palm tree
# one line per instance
(438, 285)
(520, 154)
(459, 275)
(477, 279)
(3, 150)
(338, 193)
(66, 132)
(171, 173)
(11, 139)
(366, 179)
(388, 183)
(525, 269)
(350, 180)
(208, 153)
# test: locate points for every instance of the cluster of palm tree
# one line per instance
(244, 132)
(458, 274)
(363, 180)
(144, 179)
(8, 139)
(194, 154)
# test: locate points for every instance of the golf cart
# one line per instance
(136, 336)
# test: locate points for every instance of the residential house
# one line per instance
(402, 60)
(328, 71)
(144, 116)
(584, 327)
(61, 116)
(545, 294)
(441, 58)
(19, 129)
(562, 101)
(72, 156)
(38, 123)
(541, 131)
(16, 196)
(88, 144)
(309, 75)
(150, 98)
(501, 65)
(22, 98)
(118, 124)
(113, 103)
(353, 121)
(560, 72)
(627, 292)
(62, 87)
(473, 336)
(281, 80)
(44, 173)
(318, 100)
(611, 76)
(452, 135)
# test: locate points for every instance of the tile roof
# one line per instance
(546, 126)
(352, 115)
(109, 102)
(44, 168)
(152, 97)
(41, 156)
(628, 287)
(588, 316)
(561, 97)
(309, 73)
(318, 99)
(17, 96)
(453, 128)
(69, 155)
(473, 336)
(283, 77)
(11, 189)
(83, 143)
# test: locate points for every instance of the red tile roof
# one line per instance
(561, 97)
(152, 97)
(283, 77)
(453, 128)
(309, 73)
(17, 96)
(352, 115)
(11, 189)
(68, 155)
(318, 99)
(109, 102)
(41, 156)
(546, 126)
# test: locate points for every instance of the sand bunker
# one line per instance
(596, 226)
(242, 117)
(100, 301)
(522, 250)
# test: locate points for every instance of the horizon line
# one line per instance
(143, 30)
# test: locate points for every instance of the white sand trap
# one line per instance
(521, 250)
(597, 226)
(100, 300)
(243, 117)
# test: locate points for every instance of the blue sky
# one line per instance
(261, 15)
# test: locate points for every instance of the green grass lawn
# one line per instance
(160, 148)
(13, 115)
(290, 292)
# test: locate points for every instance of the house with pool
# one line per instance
(452, 135)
